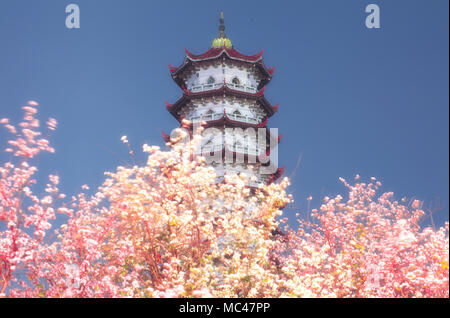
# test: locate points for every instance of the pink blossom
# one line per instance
(52, 123)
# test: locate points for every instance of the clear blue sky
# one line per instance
(352, 100)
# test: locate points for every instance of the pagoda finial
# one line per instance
(222, 26)
(221, 41)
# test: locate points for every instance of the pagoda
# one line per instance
(223, 90)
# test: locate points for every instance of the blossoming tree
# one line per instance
(168, 229)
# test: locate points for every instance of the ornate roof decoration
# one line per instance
(222, 40)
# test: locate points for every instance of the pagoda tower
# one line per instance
(223, 90)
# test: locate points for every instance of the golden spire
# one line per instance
(222, 40)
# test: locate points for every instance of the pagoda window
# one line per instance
(208, 115)
(211, 80)
(236, 81)
(237, 114)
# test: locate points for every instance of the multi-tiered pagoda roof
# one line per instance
(226, 93)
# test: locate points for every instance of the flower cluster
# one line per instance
(170, 229)
(367, 246)
(24, 216)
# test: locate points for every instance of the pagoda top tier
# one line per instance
(222, 48)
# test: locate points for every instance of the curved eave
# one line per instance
(230, 52)
(224, 90)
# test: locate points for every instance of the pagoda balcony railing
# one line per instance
(207, 117)
(246, 119)
(243, 88)
(241, 118)
(207, 87)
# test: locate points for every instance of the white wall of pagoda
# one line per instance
(212, 74)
